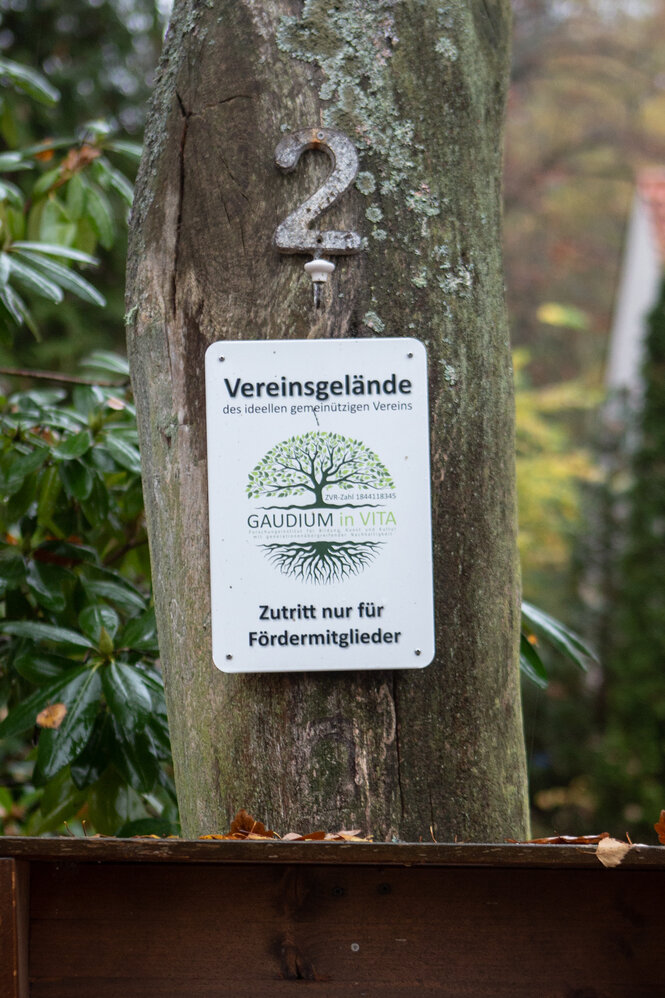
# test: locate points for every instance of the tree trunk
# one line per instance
(420, 89)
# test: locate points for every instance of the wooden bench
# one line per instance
(107, 918)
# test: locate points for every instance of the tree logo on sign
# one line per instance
(319, 474)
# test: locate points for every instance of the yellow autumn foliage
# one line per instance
(550, 471)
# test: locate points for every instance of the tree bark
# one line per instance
(420, 88)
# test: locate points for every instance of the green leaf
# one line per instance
(38, 667)
(59, 746)
(77, 479)
(95, 619)
(50, 487)
(96, 506)
(125, 454)
(60, 801)
(140, 634)
(46, 182)
(89, 766)
(65, 278)
(37, 631)
(531, 663)
(75, 446)
(10, 161)
(55, 226)
(130, 704)
(6, 802)
(118, 181)
(137, 759)
(105, 643)
(106, 362)
(131, 149)
(121, 593)
(127, 697)
(47, 583)
(111, 803)
(23, 717)
(29, 81)
(35, 281)
(76, 196)
(564, 640)
(12, 567)
(15, 469)
(5, 269)
(101, 215)
(18, 310)
(10, 192)
(18, 505)
(54, 249)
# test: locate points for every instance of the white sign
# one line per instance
(320, 518)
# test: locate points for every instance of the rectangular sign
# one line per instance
(320, 517)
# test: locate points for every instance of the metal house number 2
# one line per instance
(297, 234)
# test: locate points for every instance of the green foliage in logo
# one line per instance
(310, 463)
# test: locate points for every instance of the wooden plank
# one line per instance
(274, 851)
(238, 930)
(13, 928)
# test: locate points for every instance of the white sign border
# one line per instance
(228, 655)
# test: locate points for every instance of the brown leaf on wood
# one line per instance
(660, 828)
(346, 836)
(563, 840)
(244, 825)
(52, 716)
(310, 837)
(612, 852)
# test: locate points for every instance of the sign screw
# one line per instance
(318, 270)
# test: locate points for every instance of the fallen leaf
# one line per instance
(562, 840)
(52, 716)
(244, 825)
(611, 852)
(346, 836)
(660, 828)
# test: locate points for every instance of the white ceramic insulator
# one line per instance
(318, 270)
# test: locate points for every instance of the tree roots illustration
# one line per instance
(322, 562)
